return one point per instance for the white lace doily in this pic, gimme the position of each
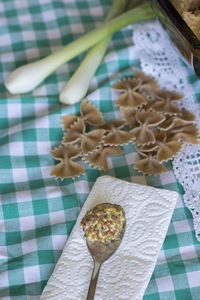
(160, 60)
(127, 273)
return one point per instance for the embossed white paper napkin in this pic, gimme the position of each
(127, 273)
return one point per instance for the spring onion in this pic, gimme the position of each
(77, 87)
(27, 77)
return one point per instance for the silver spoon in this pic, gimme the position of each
(100, 252)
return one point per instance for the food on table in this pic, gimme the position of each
(66, 167)
(190, 11)
(150, 119)
(104, 223)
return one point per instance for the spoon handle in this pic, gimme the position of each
(93, 281)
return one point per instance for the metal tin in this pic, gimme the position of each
(179, 33)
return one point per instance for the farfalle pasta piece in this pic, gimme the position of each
(150, 165)
(169, 96)
(143, 135)
(186, 117)
(98, 159)
(166, 149)
(125, 84)
(148, 85)
(187, 133)
(163, 106)
(88, 141)
(147, 148)
(163, 149)
(75, 132)
(118, 137)
(68, 120)
(169, 123)
(92, 140)
(108, 125)
(130, 97)
(147, 119)
(165, 102)
(114, 134)
(145, 79)
(129, 116)
(90, 114)
(66, 168)
(150, 102)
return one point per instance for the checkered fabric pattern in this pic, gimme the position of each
(37, 212)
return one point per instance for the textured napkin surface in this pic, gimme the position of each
(127, 273)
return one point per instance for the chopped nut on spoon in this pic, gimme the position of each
(103, 223)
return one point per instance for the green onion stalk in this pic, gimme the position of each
(77, 86)
(27, 77)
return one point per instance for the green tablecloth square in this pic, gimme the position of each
(43, 231)
(185, 239)
(25, 208)
(16, 290)
(29, 135)
(31, 259)
(177, 267)
(70, 202)
(122, 172)
(40, 207)
(13, 237)
(191, 265)
(183, 294)
(46, 257)
(171, 242)
(10, 211)
(7, 164)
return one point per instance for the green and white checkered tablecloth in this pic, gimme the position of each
(38, 212)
